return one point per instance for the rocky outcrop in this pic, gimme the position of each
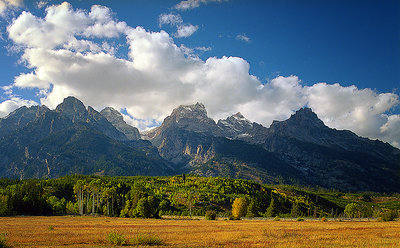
(117, 120)
(70, 140)
(20, 118)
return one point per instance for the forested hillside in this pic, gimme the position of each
(152, 197)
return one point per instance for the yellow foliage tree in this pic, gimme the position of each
(239, 208)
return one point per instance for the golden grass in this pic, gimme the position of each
(70, 231)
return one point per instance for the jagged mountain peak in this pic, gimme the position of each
(73, 109)
(192, 117)
(111, 113)
(304, 118)
(197, 109)
(20, 117)
(71, 101)
(239, 116)
(117, 120)
(236, 126)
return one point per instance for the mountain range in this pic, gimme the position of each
(37, 142)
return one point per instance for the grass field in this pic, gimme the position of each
(70, 231)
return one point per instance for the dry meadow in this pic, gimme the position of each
(71, 231)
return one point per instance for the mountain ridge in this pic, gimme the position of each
(39, 142)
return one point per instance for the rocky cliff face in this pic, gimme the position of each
(235, 126)
(333, 158)
(74, 110)
(71, 139)
(20, 118)
(184, 135)
(38, 142)
(314, 153)
(117, 120)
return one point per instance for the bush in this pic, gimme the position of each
(146, 239)
(388, 215)
(211, 215)
(3, 242)
(300, 219)
(324, 219)
(115, 238)
(277, 218)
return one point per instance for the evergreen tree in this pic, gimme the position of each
(295, 212)
(272, 209)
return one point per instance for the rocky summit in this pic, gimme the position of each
(117, 120)
(302, 150)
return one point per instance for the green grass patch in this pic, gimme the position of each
(3, 241)
(147, 239)
(116, 238)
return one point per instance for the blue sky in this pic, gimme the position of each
(265, 59)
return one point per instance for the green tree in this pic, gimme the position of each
(58, 206)
(272, 209)
(143, 208)
(252, 208)
(239, 208)
(79, 188)
(351, 210)
(4, 205)
(295, 212)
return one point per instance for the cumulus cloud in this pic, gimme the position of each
(390, 131)
(63, 26)
(243, 37)
(186, 30)
(171, 19)
(7, 4)
(360, 110)
(192, 4)
(157, 75)
(183, 30)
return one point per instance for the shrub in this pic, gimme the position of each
(324, 219)
(277, 218)
(211, 215)
(300, 219)
(147, 239)
(115, 238)
(3, 241)
(388, 215)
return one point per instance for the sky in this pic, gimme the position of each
(265, 59)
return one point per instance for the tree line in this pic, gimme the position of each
(152, 197)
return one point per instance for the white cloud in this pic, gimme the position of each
(41, 4)
(243, 37)
(203, 49)
(185, 30)
(159, 75)
(5, 4)
(191, 4)
(359, 110)
(63, 25)
(12, 104)
(390, 131)
(170, 19)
